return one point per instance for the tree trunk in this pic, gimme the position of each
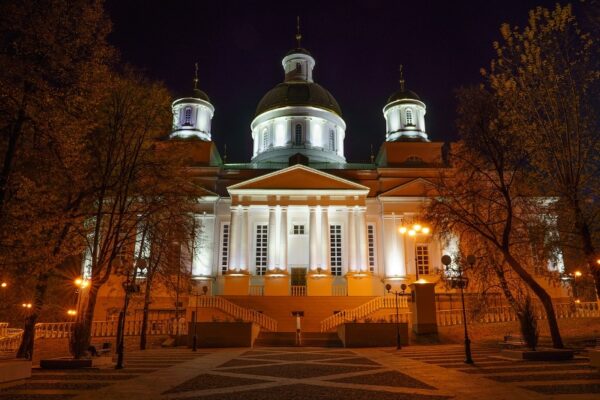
(84, 332)
(144, 332)
(542, 295)
(28, 338)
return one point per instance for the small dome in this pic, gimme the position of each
(298, 50)
(199, 94)
(403, 95)
(297, 93)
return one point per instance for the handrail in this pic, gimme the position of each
(238, 312)
(363, 311)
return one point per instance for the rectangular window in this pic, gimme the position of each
(332, 140)
(298, 230)
(371, 244)
(423, 259)
(261, 249)
(335, 249)
(224, 248)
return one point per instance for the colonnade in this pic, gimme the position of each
(320, 218)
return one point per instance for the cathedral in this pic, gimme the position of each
(300, 221)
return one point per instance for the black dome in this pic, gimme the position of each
(403, 95)
(199, 94)
(298, 50)
(297, 93)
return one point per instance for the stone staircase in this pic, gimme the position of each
(288, 339)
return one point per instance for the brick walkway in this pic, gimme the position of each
(416, 372)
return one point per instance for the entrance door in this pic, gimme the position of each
(298, 281)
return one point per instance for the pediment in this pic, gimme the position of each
(298, 177)
(418, 187)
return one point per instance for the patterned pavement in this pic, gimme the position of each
(575, 377)
(415, 372)
(66, 384)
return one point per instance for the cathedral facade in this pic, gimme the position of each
(299, 211)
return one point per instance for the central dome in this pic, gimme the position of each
(298, 116)
(298, 93)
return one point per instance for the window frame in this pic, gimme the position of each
(261, 248)
(224, 247)
(422, 259)
(335, 249)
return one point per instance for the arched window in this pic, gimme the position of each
(332, 140)
(298, 135)
(298, 67)
(409, 117)
(187, 116)
(266, 139)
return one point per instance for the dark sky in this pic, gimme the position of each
(357, 45)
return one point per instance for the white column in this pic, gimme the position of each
(283, 234)
(324, 263)
(244, 247)
(313, 237)
(361, 239)
(352, 240)
(272, 239)
(234, 239)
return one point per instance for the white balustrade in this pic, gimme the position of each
(364, 310)
(256, 290)
(298, 290)
(237, 312)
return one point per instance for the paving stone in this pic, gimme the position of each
(565, 389)
(300, 370)
(14, 396)
(387, 378)
(353, 360)
(313, 392)
(82, 377)
(545, 377)
(525, 369)
(55, 386)
(298, 357)
(240, 362)
(210, 381)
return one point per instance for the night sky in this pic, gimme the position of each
(357, 45)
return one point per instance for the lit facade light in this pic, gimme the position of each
(578, 274)
(577, 301)
(412, 233)
(426, 230)
(598, 261)
(71, 312)
(417, 227)
(82, 283)
(402, 230)
(26, 305)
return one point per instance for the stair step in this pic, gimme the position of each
(309, 339)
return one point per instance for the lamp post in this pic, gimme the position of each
(388, 287)
(195, 338)
(461, 282)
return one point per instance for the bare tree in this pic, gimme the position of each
(546, 78)
(486, 194)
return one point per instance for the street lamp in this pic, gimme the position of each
(388, 287)
(461, 282)
(414, 230)
(3, 285)
(195, 338)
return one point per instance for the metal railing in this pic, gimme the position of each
(237, 312)
(364, 310)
